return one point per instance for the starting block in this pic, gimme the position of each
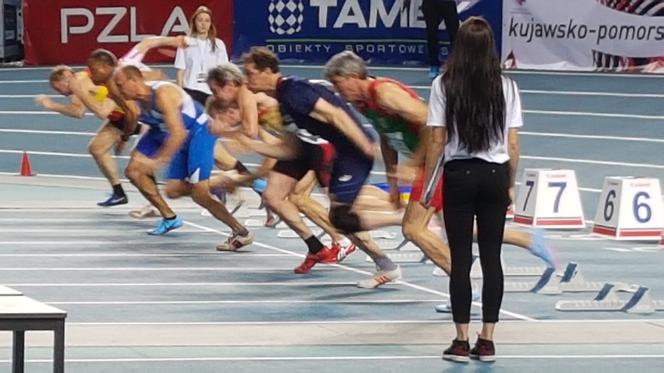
(550, 283)
(607, 300)
(549, 199)
(630, 208)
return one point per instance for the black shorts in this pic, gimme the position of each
(199, 96)
(317, 157)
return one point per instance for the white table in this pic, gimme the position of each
(20, 314)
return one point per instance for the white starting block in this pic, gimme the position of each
(549, 199)
(550, 283)
(607, 300)
(630, 208)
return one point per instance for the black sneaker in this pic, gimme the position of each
(484, 351)
(458, 352)
(113, 200)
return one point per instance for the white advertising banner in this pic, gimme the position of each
(615, 35)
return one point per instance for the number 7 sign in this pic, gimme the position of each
(549, 199)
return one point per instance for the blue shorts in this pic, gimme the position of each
(195, 159)
(150, 142)
(350, 171)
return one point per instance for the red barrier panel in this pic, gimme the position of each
(66, 31)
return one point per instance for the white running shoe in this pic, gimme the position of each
(236, 242)
(380, 278)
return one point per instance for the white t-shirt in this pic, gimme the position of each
(498, 151)
(197, 59)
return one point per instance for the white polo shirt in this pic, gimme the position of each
(498, 152)
(197, 59)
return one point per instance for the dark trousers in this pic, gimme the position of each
(434, 12)
(475, 189)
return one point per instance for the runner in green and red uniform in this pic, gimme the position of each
(399, 115)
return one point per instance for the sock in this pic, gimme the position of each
(118, 191)
(240, 168)
(385, 263)
(314, 245)
(171, 218)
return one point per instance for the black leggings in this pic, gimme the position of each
(475, 189)
(434, 12)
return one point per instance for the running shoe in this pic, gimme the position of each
(165, 226)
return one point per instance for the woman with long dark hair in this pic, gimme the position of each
(475, 112)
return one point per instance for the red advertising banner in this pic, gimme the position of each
(66, 31)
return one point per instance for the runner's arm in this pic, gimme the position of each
(74, 108)
(325, 112)
(168, 102)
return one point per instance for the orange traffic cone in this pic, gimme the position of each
(26, 169)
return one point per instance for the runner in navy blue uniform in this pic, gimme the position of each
(314, 113)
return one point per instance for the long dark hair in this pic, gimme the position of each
(472, 82)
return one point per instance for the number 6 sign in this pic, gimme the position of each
(630, 208)
(549, 199)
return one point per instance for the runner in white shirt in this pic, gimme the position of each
(203, 52)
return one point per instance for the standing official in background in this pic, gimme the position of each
(203, 52)
(434, 12)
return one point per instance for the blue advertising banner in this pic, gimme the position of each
(381, 31)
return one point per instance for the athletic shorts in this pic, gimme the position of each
(418, 189)
(317, 157)
(193, 162)
(350, 171)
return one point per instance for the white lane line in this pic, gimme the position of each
(352, 322)
(280, 301)
(28, 96)
(40, 132)
(587, 93)
(180, 284)
(593, 114)
(26, 81)
(92, 243)
(351, 269)
(337, 358)
(144, 255)
(590, 137)
(590, 161)
(34, 112)
(57, 154)
(149, 269)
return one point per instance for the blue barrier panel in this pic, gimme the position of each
(381, 31)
